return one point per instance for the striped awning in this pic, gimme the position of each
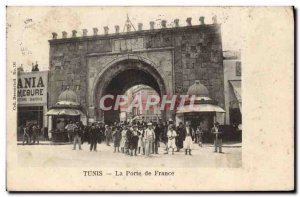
(236, 86)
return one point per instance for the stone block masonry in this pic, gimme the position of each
(181, 55)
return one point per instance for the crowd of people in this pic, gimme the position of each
(141, 137)
(132, 138)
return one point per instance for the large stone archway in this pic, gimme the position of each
(119, 76)
(176, 56)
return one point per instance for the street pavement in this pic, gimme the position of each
(64, 156)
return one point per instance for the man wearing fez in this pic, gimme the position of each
(188, 142)
(218, 137)
(77, 136)
(180, 136)
(149, 138)
(93, 137)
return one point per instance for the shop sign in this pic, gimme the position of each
(32, 88)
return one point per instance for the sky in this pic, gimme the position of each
(29, 28)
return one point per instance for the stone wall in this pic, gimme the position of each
(198, 56)
(180, 54)
(68, 68)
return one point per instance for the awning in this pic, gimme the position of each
(200, 108)
(69, 112)
(236, 86)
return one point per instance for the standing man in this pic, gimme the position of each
(158, 131)
(149, 138)
(35, 134)
(93, 137)
(199, 135)
(25, 135)
(70, 129)
(180, 136)
(116, 135)
(141, 140)
(123, 138)
(128, 139)
(134, 140)
(164, 136)
(218, 137)
(101, 132)
(108, 131)
(171, 139)
(77, 136)
(30, 131)
(86, 134)
(188, 142)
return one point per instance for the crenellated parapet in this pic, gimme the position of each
(128, 28)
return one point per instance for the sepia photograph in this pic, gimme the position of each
(126, 92)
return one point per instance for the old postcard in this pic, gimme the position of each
(150, 98)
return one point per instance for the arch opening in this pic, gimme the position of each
(119, 78)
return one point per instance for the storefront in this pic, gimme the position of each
(32, 101)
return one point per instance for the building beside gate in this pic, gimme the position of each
(232, 87)
(32, 99)
(169, 60)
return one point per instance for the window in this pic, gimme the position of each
(238, 71)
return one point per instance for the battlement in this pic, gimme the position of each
(129, 32)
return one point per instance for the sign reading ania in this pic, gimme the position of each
(32, 88)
